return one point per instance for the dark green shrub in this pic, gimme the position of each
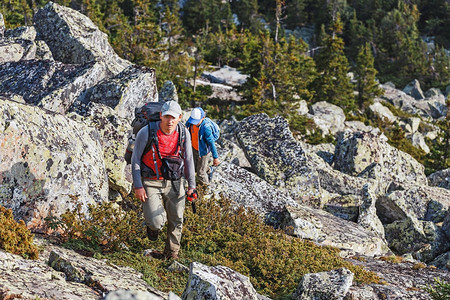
(222, 235)
(15, 237)
(218, 234)
(106, 228)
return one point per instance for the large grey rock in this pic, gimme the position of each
(421, 238)
(60, 273)
(246, 189)
(414, 90)
(74, 39)
(432, 107)
(23, 32)
(276, 157)
(440, 179)
(328, 117)
(226, 75)
(414, 123)
(368, 213)
(219, 91)
(168, 92)
(113, 134)
(217, 283)
(435, 93)
(43, 51)
(398, 98)
(358, 126)
(403, 280)
(324, 285)
(16, 50)
(37, 280)
(442, 261)
(417, 140)
(420, 202)
(129, 89)
(383, 112)
(45, 167)
(370, 156)
(327, 230)
(49, 84)
(325, 151)
(231, 152)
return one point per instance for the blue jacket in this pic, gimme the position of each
(206, 142)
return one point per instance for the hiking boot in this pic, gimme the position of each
(152, 234)
(157, 254)
(171, 255)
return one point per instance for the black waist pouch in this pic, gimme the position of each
(147, 172)
(172, 168)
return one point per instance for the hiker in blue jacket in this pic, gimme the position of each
(204, 133)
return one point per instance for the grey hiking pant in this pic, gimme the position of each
(166, 202)
(201, 166)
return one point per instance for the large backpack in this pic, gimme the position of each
(148, 114)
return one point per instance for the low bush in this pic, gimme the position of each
(218, 234)
(105, 228)
(439, 291)
(15, 237)
(393, 259)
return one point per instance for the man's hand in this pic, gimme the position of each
(190, 191)
(216, 162)
(140, 194)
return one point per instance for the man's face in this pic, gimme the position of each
(169, 123)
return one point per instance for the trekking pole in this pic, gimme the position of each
(211, 171)
(191, 198)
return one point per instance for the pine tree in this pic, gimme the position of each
(332, 84)
(439, 156)
(401, 52)
(174, 62)
(208, 15)
(294, 72)
(255, 56)
(357, 36)
(16, 13)
(365, 73)
(296, 15)
(222, 48)
(440, 69)
(248, 15)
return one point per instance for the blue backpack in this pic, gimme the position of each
(215, 130)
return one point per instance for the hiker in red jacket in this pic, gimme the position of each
(163, 195)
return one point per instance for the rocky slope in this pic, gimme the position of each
(66, 104)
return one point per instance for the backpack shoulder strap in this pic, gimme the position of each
(152, 138)
(181, 136)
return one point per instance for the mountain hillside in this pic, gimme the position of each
(319, 202)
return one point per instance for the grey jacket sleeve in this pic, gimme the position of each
(189, 169)
(139, 146)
